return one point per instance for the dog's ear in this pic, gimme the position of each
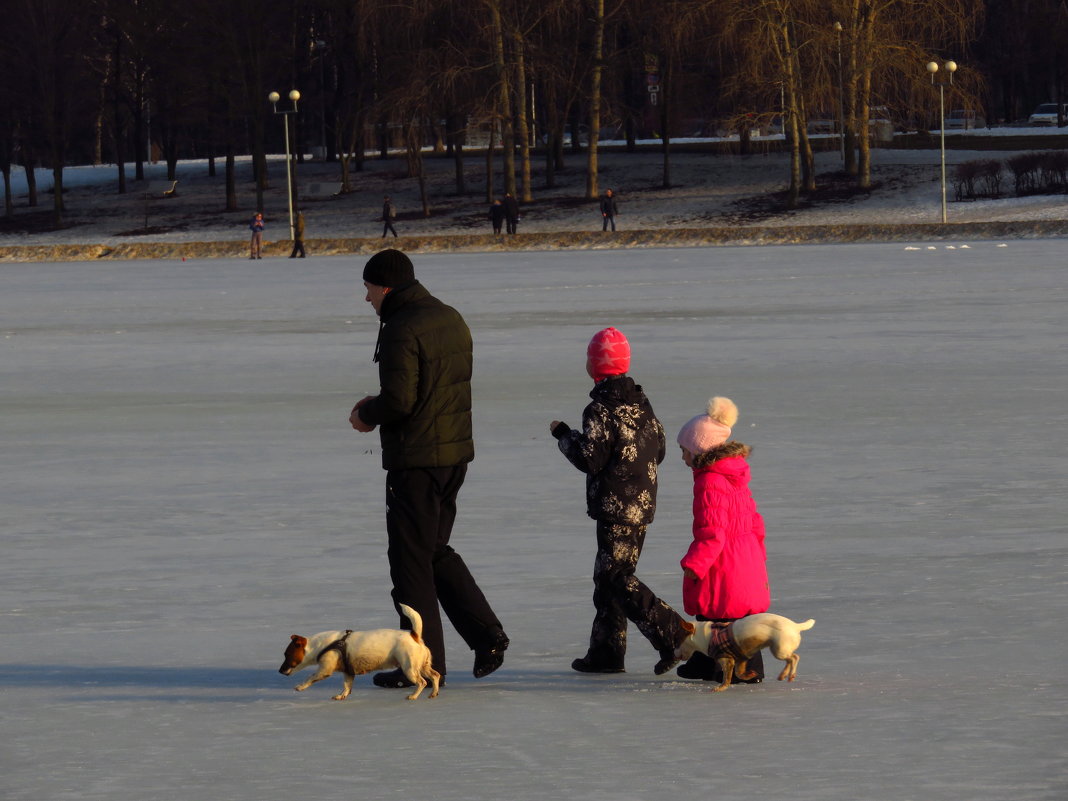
(688, 627)
(302, 641)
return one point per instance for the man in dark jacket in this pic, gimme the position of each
(423, 408)
(298, 236)
(511, 212)
(609, 210)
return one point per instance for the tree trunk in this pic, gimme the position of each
(31, 175)
(231, 177)
(57, 185)
(9, 202)
(851, 91)
(139, 123)
(665, 120)
(413, 140)
(523, 119)
(118, 134)
(455, 136)
(504, 100)
(808, 158)
(489, 163)
(592, 191)
(788, 61)
(864, 98)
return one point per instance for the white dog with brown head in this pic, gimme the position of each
(359, 652)
(732, 644)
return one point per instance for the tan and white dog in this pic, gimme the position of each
(359, 652)
(733, 644)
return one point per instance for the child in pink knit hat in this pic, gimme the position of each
(724, 572)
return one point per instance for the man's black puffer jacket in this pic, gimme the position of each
(424, 407)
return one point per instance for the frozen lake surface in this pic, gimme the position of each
(182, 491)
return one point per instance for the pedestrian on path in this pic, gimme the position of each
(608, 210)
(511, 212)
(256, 243)
(389, 213)
(298, 235)
(497, 216)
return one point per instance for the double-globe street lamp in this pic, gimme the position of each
(942, 81)
(274, 97)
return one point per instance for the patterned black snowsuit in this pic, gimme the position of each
(619, 447)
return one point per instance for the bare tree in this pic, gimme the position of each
(774, 69)
(52, 49)
(668, 31)
(889, 41)
(503, 76)
(596, 68)
(350, 31)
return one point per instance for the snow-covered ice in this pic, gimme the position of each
(181, 492)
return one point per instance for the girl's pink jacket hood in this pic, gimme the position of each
(727, 552)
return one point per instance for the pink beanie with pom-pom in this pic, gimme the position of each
(707, 431)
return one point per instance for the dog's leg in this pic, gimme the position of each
(726, 666)
(327, 666)
(789, 669)
(742, 671)
(420, 685)
(347, 689)
(435, 680)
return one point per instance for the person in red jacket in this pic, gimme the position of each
(725, 574)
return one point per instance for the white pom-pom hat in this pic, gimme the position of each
(709, 430)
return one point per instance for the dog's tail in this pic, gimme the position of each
(806, 625)
(416, 619)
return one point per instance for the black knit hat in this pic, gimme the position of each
(389, 268)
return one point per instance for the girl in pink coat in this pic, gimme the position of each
(724, 572)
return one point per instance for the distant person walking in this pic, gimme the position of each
(298, 236)
(256, 243)
(389, 213)
(608, 210)
(511, 212)
(496, 215)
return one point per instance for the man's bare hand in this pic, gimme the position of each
(354, 418)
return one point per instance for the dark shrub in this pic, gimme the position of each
(1025, 169)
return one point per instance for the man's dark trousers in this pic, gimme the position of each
(421, 509)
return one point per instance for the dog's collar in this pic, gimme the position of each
(339, 646)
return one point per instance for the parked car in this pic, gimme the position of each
(584, 135)
(1046, 114)
(964, 119)
(822, 122)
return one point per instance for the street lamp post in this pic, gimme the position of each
(274, 97)
(942, 82)
(841, 91)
